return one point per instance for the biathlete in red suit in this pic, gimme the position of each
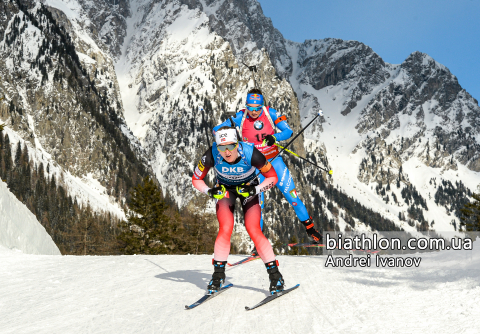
(235, 164)
(257, 124)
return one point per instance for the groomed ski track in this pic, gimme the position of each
(147, 294)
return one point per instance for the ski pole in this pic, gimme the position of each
(320, 113)
(295, 154)
(330, 172)
(291, 152)
(252, 69)
(206, 131)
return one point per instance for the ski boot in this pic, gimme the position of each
(312, 232)
(218, 277)
(277, 284)
(254, 251)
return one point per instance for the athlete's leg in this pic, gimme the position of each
(286, 185)
(252, 212)
(225, 208)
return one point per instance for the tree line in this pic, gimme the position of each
(152, 226)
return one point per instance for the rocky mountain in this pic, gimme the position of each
(60, 121)
(410, 127)
(402, 139)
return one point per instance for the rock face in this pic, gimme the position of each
(333, 61)
(61, 97)
(443, 113)
(153, 63)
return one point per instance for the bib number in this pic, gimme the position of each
(258, 137)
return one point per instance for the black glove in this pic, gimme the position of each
(217, 192)
(246, 190)
(312, 232)
(270, 140)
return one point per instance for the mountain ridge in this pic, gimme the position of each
(157, 62)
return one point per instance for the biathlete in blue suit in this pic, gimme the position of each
(257, 124)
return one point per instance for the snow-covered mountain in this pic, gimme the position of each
(372, 107)
(20, 230)
(55, 102)
(390, 129)
(402, 140)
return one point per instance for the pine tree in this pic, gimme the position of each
(471, 214)
(148, 229)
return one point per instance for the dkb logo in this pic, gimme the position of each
(232, 169)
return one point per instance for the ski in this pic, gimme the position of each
(272, 297)
(208, 297)
(245, 260)
(320, 245)
(306, 245)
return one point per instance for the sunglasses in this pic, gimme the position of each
(230, 147)
(253, 108)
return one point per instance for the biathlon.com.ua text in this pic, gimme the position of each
(375, 243)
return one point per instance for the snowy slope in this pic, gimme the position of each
(147, 294)
(20, 230)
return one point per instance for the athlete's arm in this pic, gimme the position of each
(281, 123)
(237, 120)
(206, 162)
(265, 167)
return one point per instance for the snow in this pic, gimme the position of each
(420, 175)
(77, 17)
(147, 294)
(85, 59)
(20, 229)
(71, 8)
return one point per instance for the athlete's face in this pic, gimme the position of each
(254, 114)
(229, 156)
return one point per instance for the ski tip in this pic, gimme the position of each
(187, 307)
(247, 308)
